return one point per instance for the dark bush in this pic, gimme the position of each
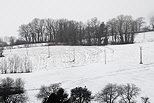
(59, 97)
(45, 91)
(112, 93)
(12, 91)
(80, 95)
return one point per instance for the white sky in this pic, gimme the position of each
(13, 13)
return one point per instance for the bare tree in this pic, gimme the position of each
(88, 33)
(109, 94)
(145, 99)
(120, 23)
(35, 23)
(132, 32)
(42, 30)
(17, 63)
(14, 64)
(24, 32)
(32, 32)
(96, 31)
(103, 33)
(112, 29)
(124, 27)
(72, 32)
(152, 22)
(139, 23)
(93, 32)
(129, 93)
(127, 27)
(3, 42)
(4, 66)
(50, 29)
(12, 40)
(81, 32)
(113, 93)
(27, 66)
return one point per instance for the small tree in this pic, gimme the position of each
(16, 64)
(109, 94)
(12, 40)
(145, 99)
(59, 97)
(4, 66)
(80, 95)
(128, 93)
(12, 91)
(152, 22)
(1, 52)
(62, 95)
(27, 65)
(45, 91)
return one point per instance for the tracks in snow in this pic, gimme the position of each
(137, 68)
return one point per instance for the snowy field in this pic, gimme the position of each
(74, 66)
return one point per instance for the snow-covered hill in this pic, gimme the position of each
(85, 66)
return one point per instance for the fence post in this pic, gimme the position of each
(141, 55)
(48, 51)
(74, 54)
(105, 55)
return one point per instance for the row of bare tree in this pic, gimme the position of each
(93, 32)
(116, 30)
(15, 64)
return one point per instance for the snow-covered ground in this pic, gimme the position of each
(74, 66)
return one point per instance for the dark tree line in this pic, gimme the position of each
(62, 31)
(55, 94)
(120, 29)
(123, 28)
(111, 93)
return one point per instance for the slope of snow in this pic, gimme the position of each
(144, 37)
(89, 68)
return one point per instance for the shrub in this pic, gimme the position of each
(1, 52)
(59, 97)
(12, 91)
(16, 64)
(45, 91)
(80, 95)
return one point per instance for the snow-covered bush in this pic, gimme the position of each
(15, 64)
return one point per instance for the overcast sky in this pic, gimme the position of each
(13, 13)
